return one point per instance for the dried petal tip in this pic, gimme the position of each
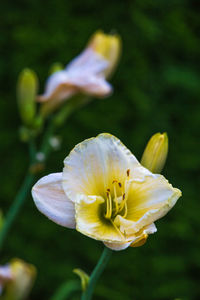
(155, 153)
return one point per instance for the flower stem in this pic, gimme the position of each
(15, 207)
(87, 295)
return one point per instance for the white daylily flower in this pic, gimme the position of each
(87, 72)
(106, 194)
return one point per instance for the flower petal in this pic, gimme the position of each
(57, 88)
(51, 200)
(117, 246)
(88, 62)
(91, 222)
(150, 200)
(93, 164)
(138, 240)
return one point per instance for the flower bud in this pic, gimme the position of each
(108, 46)
(155, 153)
(23, 276)
(27, 86)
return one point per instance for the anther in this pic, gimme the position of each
(128, 172)
(123, 197)
(108, 190)
(120, 185)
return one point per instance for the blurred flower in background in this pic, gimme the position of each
(106, 194)
(16, 280)
(5, 276)
(87, 73)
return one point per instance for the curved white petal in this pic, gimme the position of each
(117, 246)
(57, 87)
(135, 240)
(150, 200)
(93, 164)
(90, 84)
(88, 61)
(84, 74)
(150, 229)
(51, 200)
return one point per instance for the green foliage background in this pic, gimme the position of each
(156, 89)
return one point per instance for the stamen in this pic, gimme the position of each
(128, 172)
(120, 185)
(115, 198)
(108, 205)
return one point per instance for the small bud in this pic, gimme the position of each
(155, 153)
(56, 67)
(21, 281)
(84, 278)
(27, 86)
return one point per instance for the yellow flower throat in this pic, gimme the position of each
(116, 202)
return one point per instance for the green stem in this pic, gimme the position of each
(46, 148)
(32, 150)
(15, 207)
(87, 295)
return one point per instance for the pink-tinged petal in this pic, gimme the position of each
(90, 84)
(50, 199)
(88, 62)
(57, 88)
(84, 74)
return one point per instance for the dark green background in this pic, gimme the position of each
(156, 89)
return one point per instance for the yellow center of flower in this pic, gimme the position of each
(116, 198)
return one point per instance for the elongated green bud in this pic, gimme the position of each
(155, 153)
(27, 87)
